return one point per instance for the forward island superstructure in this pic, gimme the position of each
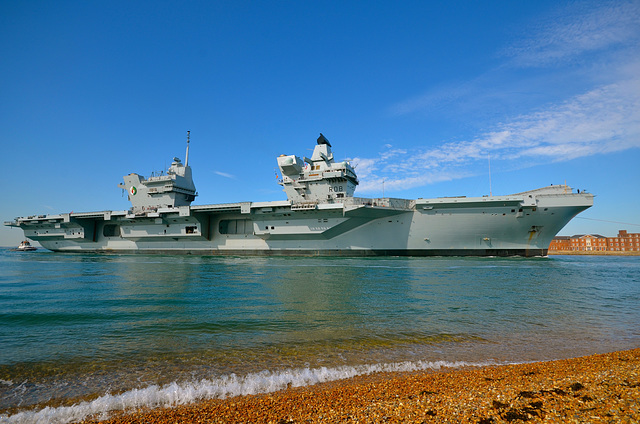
(321, 217)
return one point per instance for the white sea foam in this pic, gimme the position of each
(223, 387)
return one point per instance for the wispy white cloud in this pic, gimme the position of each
(599, 37)
(603, 120)
(604, 117)
(440, 97)
(575, 30)
(224, 174)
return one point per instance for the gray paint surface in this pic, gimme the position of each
(320, 217)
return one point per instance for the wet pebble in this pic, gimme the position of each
(599, 389)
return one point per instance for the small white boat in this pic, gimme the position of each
(25, 246)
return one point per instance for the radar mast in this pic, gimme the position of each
(186, 159)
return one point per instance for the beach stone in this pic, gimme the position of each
(600, 389)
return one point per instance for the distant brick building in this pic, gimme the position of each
(623, 242)
(589, 242)
(560, 243)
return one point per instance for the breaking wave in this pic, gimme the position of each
(175, 394)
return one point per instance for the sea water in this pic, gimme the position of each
(87, 334)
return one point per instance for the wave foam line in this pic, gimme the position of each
(175, 394)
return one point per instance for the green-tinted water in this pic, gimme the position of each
(78, 326)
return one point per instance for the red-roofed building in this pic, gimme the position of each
(560, 243)
(623, 242)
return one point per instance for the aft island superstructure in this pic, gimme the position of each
(321, 217)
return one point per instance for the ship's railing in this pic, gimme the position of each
(387, 202)
(304, 206)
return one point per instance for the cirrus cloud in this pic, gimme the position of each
(603, 117)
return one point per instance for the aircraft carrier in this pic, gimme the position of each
(321, 217)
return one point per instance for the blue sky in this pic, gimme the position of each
(417, 94)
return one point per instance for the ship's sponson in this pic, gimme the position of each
(521, 224)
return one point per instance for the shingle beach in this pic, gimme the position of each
(594, 389)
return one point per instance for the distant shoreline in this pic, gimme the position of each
(592, 253)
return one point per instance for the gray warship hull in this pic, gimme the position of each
(320, 217)
(521, 224)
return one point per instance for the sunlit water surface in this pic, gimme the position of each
(87, 333)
